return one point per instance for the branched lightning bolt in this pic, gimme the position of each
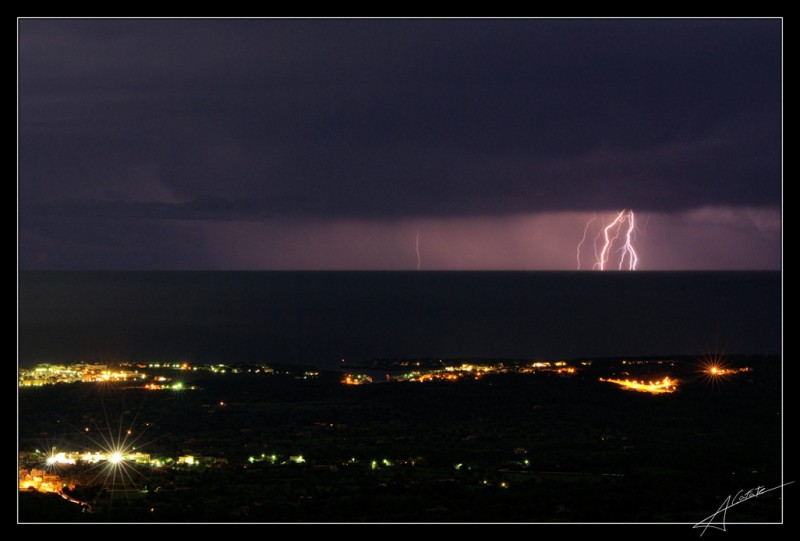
(604, 253)
(610, 233)
(628, 250)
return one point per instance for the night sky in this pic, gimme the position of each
(336, 144)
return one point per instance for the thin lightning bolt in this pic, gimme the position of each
(585, 229)
(419, 260)
(610, 233)
(628, 250)
(599, 234)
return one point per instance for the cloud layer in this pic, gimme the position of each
(142, 143)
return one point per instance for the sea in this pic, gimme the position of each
(322, 318)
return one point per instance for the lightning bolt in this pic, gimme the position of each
(599, 234)
(628, 250)
(419, 260)
(609, 234)
(585, 229)
(604, 253)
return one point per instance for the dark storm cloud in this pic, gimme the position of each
(89, 243)
(134, 122)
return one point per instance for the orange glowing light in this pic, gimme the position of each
(666, 385)
(356, 379)
(716, 373)
(714, 370)
(718, 370)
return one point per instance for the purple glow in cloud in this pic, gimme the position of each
(711, 238)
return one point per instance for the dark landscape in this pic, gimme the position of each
(539, 447)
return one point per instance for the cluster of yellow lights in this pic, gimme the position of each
(176, 386)
(439, 376)
(356, 379)
(49, 375)
(107, 375)
(114, 457)
(468, 371)
(665, 385)
(719, 370)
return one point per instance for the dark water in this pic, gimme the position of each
(321, 317)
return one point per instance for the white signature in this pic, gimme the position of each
(712, 520)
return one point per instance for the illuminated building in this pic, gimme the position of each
(40, 481)
(61, 458)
